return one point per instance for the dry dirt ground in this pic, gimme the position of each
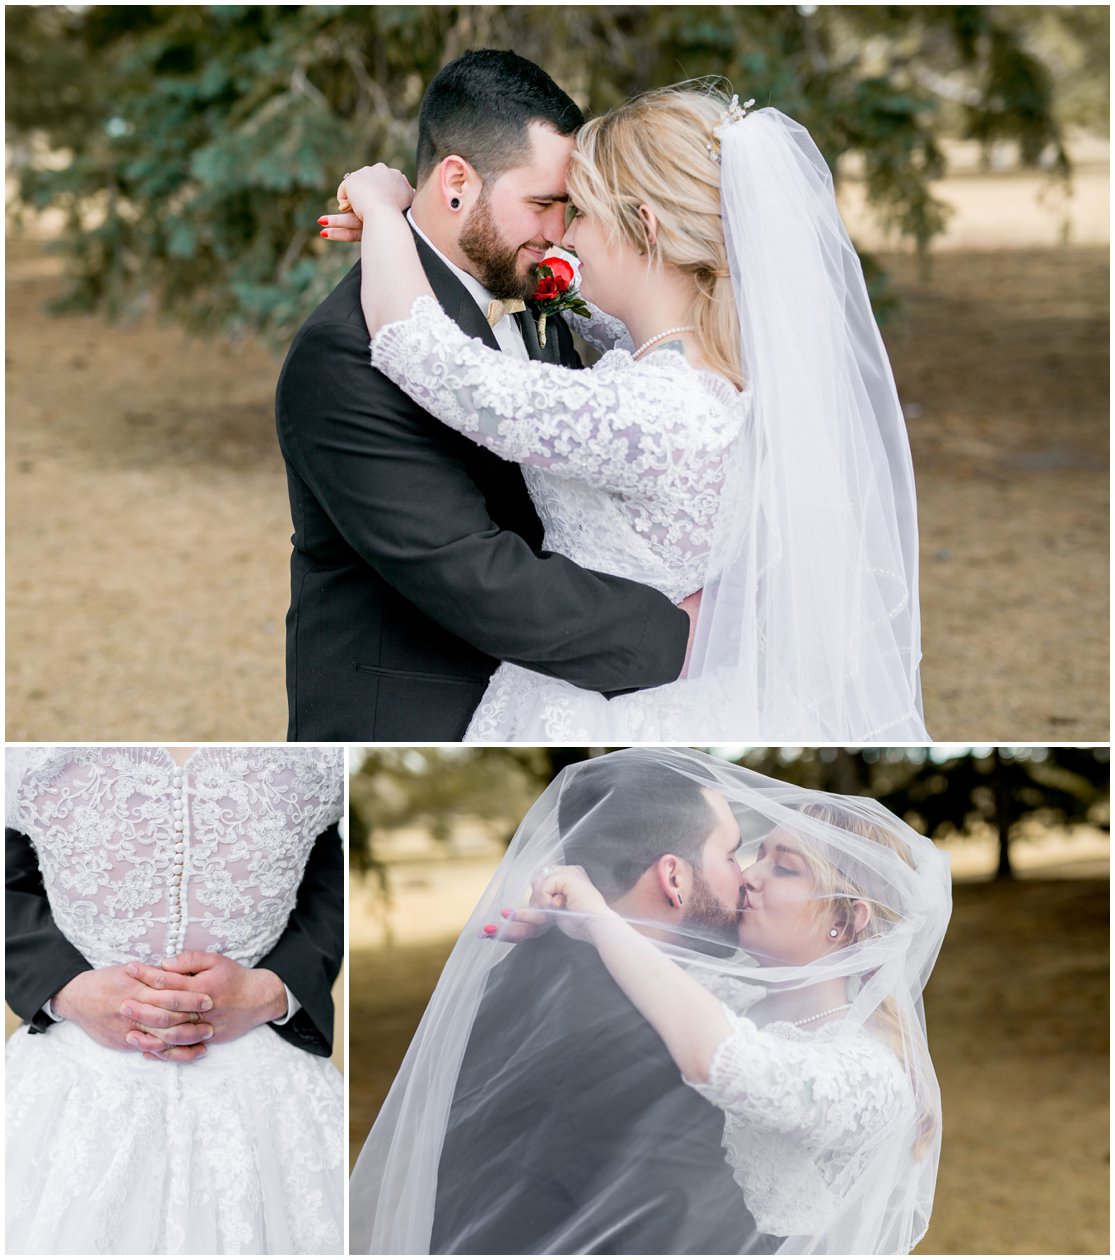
(1017, 1012)
(147, 521)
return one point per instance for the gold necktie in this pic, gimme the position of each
(498, 308)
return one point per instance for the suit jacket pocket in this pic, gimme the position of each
(416, 675)
(403, 705)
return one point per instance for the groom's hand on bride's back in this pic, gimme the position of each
(117, 1009)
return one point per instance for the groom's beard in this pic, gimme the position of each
(494, 261)
(715, 927)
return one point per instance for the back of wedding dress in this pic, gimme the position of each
(143, 859)
(111, 1153)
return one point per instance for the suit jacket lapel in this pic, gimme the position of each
(457, 302)
(529, 327)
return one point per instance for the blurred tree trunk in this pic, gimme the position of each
(562, 758)
(848, 773)
(1004, 819)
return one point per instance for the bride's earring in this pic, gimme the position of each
(834, 932)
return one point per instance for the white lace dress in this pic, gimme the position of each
(625, 466)
(805, 1109)
(241, 1151)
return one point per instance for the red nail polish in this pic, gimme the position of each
(323, 221)
(506, 914)
(323, 233)
(490, 929)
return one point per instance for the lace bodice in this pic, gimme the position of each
(804, 1109)
(624, 462)
(142, 859)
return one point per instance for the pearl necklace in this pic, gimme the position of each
(797, 1023)
(647, 344)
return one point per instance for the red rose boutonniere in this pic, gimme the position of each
(555, 292)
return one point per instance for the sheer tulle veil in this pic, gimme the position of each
(534, 1093)
(810, 621)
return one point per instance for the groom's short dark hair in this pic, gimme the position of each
(480, 107)
(619, 814)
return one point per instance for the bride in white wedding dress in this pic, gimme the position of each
(750, 448)
(110, 1152)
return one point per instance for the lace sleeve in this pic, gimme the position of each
(600, 329)
(629, 429)
(16, 765)
(827, 1088)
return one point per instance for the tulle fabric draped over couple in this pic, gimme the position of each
(789, 504)
(729, 1057)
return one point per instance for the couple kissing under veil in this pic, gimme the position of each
(686, 1018)
(739, 447)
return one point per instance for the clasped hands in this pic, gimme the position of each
(172, 1011)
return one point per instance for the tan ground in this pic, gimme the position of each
(1017, 1012)
(148, 523)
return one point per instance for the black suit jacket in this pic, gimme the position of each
(415, 566)
(39, 960)
(568, 1108)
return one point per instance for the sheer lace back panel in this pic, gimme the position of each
(143, 859)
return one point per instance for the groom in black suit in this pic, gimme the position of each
(416, 565)
(571, 1130)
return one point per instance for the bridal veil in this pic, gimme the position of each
(536, 1112)
(810, 619)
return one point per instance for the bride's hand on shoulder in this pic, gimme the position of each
(371, 187)
(375, 187)
(341, 227)
(523, 923)
(569, 890)
(554, 889)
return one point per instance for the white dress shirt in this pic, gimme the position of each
(507, 331)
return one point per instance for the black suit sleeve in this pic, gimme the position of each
(395, 484)
(307, 957)
(39, 960)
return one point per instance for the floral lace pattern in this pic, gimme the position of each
(600, 329)
(519, 702)
(241, 1152)
(804, 1108)
(624, 462)
(140, 859)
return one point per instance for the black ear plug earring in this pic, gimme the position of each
(454, 203)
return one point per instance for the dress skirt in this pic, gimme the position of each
(240, 1152)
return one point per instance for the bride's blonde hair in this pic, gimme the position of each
(653, 150)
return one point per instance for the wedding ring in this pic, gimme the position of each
(195, 1018)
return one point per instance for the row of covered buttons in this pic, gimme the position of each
(176, 932)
